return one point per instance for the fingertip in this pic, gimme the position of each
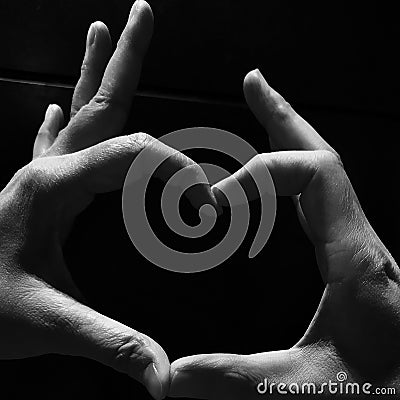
(253, 74)
(102, 32)
(142, 17)
(58, 113)
(145, 7)
(91, 36)
(99, 45)
(179, 385)
(201, 195)
(58, 117)
(252, 80)
(220, 197)
(162, 369)
(54, 118)
(156, 376)
(49, 111)
(253, 92)
(202, 376)
(142, 8)
(100, 26)
(265, 103)
(152, 382)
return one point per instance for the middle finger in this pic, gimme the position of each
(107, 112)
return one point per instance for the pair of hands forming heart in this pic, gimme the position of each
(356, 327)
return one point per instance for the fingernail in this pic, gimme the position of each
(135, 8)
(91, 35)
(179, 382)
(152, 381)
(49, 111)
(200, 195)
(221, 199)
(260, 76)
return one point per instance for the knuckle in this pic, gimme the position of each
(43, 132)
(130, 354)
(328, 159)
(281, 111)
(88, 68)
(261, 160)
(258, 159)
(140, 139)
(102, 99)
(74, 111)
(85, 67)
(36, 178)
(106, 101)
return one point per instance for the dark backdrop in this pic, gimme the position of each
(336, 64)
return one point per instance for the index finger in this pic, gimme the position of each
(287, 130)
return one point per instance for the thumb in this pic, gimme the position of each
(210, 376)
(232, 376)
(44, 321)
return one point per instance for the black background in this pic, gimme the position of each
(337, 65)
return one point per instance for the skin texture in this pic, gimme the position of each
(356, 328)
(41, 308)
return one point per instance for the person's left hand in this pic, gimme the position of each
(354, 335)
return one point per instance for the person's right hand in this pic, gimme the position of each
(356, 328)
(40, 306)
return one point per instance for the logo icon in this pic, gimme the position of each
(146, 240)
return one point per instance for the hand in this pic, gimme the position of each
(356, 328)
(39, 308)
